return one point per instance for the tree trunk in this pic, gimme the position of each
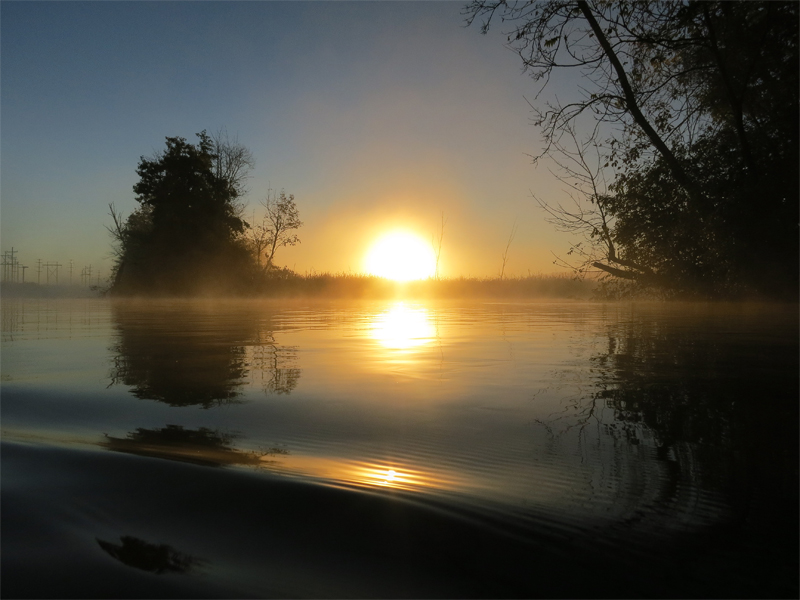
(633, 107)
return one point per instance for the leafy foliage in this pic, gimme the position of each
(686, 176)
(186, 235)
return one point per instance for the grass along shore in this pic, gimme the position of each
(347, 285)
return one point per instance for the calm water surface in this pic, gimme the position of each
(252, 448)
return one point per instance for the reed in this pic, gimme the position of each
(348, 285)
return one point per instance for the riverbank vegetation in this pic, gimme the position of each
(285, 283)
(679, 144)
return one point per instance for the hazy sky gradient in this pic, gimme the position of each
(374, 115)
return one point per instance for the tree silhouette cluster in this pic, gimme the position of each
(680, 148)
(188, 236)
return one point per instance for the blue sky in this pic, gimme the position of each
(375, 115)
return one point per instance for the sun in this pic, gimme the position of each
(401, 256)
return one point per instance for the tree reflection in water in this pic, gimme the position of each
(186, 353)
(198, 446)
(155, 558)
(276, 364)
(728, 402)
(699, 414)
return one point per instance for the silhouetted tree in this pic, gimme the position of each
(693, 110)
(186, 235)
(232, 161)
(281, 218)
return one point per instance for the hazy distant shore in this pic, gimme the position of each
(35, 290)
(327, 285)
(365, 286)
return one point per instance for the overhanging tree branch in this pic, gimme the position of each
(633, 106)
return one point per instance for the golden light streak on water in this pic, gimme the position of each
(348, 472)
(403, 327)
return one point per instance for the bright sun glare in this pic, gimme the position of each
(402, 327)
(401, 256)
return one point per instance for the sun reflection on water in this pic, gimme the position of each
(402, 327)
(349, 472)
(397, 477)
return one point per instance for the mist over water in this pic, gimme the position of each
(476, 448)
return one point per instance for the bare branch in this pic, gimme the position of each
(280, 219)
(233, 161)
(508, 245)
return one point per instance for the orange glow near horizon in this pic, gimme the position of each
(401, 256)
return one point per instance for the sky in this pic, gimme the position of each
(376, 116)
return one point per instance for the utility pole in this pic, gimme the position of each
(70, 271)
(38, 271)
(10, 266)
(86, 275)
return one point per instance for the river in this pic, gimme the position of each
(261, 448)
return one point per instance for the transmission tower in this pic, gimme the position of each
(51, 269)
